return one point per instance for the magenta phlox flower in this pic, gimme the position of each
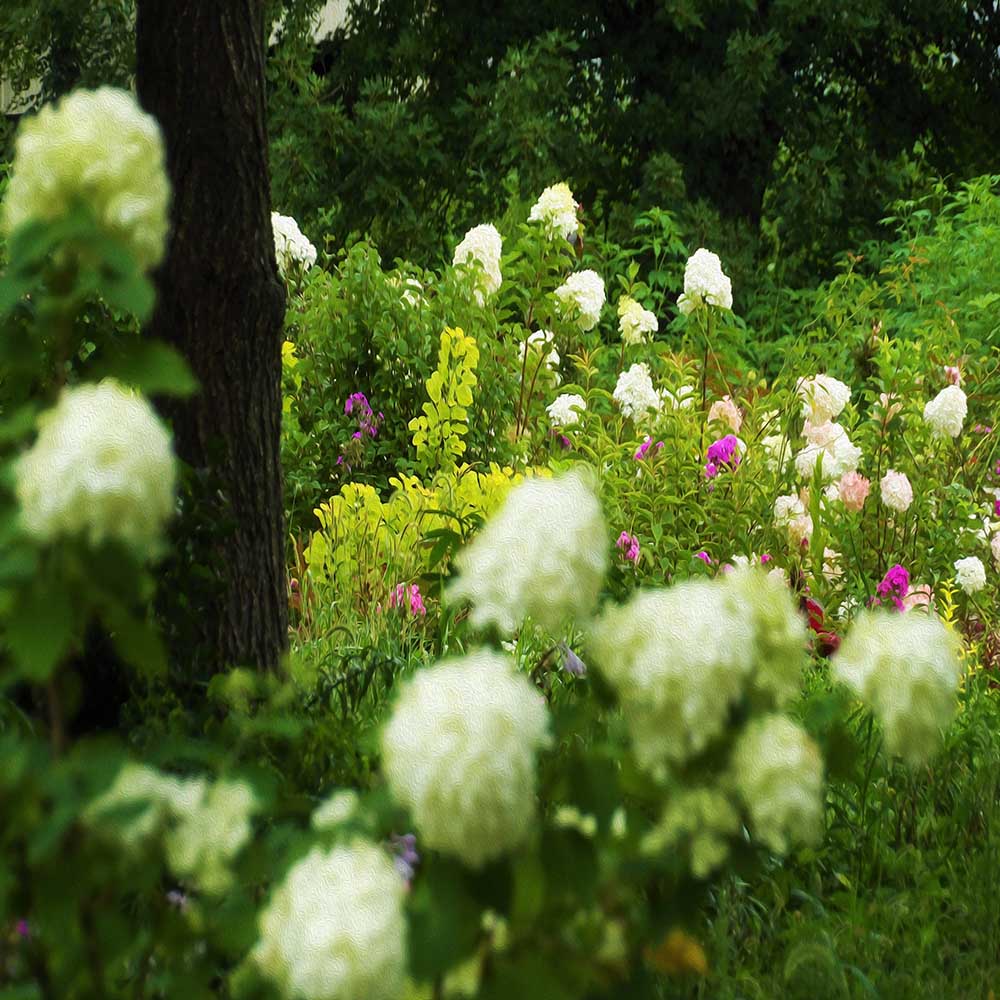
(643, 449)
(402, 596)
(704, 557)
(629, 546)
(895, 586)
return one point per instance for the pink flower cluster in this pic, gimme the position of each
(401, 595)
(641, 451)
(895, 587)
(629, 546)
(721, 454)
(367, 421)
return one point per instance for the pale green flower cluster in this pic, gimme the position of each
(334, 929)
(205, 825)
(99, 148)
(680, 659)
(703, 820)
(460, 750)
(778, 773)
(556, 209)
(906, 668)
(634, 322)
(543, 555)
(101, 467)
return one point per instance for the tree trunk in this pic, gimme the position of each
(200, 72)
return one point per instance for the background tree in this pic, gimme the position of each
(200, 71)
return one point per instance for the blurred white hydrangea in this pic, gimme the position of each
(584, 292)
(832, 448)
(705, 283)
(897, 493)
(634, 393)
(777, 452)
(291, 248)
(334, 928)
(970, 574)
(906, 668)
(702, 818)
(335, 809)
(211, 831)
(634, 322)
(459, 752)
(483, 244)
(562, 411)
(778, 772)
(947, 411)
(791, 514)
(680, 399)
(101, 467)
(678, 658)
(823, 398)
(539, 341)
(99, 147)
(995, 548)
(556, 209)
(542, 555)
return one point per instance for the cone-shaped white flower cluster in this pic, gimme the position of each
(634, 393)
(946, 412)
(334, 928)
(823, 398)
(583, 292)
(634, 322)
(564, 410)
(705, 284)
(460, 750)
(970, 574)
(556, 209)
(100, 148)
(101, 467)
(907, 669)
(543, 555)
(483, 244)
(291, 248)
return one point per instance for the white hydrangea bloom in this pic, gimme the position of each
(334, 928)
(210, 833)
(897, 493)
(482, 243)
(556, 208)
(100, 147)
(291, 248)
(678, 658)
(831, 446)
(460, 750)
(970, 574)
(634, 322)
(539, 340)
(906, 668)
(823, 398)
(562, 412)
(705, 283)
(337, 808)
(790, 513)
(542, 555)
(947, 411)
(584, 292)
(634, 393)
(778, 772)
(681, 399)
(777, 452)
(101, 467)
(704, 819)
(995, 548)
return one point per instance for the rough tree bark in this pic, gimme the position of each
(200, 71)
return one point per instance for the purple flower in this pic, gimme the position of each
(711, 470)
(641, 451)
(23, 930)
(765, 559)
(704, 557)
(406, 858)
(895, 585)
(996, 508)
(629, 545)
(401, 595)
(358, 399)
(572, 663)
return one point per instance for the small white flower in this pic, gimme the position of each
(946, 412)
(634, 322)
(334, 928)
(681, 399)
(563, 411)
(459, 753)
(777, 452)
(556, 208)
(584, 293)
(790, 513)
(823, 398)
(539, 340)
(705, 283)
(483, 244)
(634, 393)
(970, 574)
(832, 449)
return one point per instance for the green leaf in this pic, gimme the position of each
(41, 628)
(153, 367)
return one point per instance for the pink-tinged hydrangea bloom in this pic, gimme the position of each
(897, 493)
(727, 412)
(629, 546)
(854, 490)
(919, 596)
